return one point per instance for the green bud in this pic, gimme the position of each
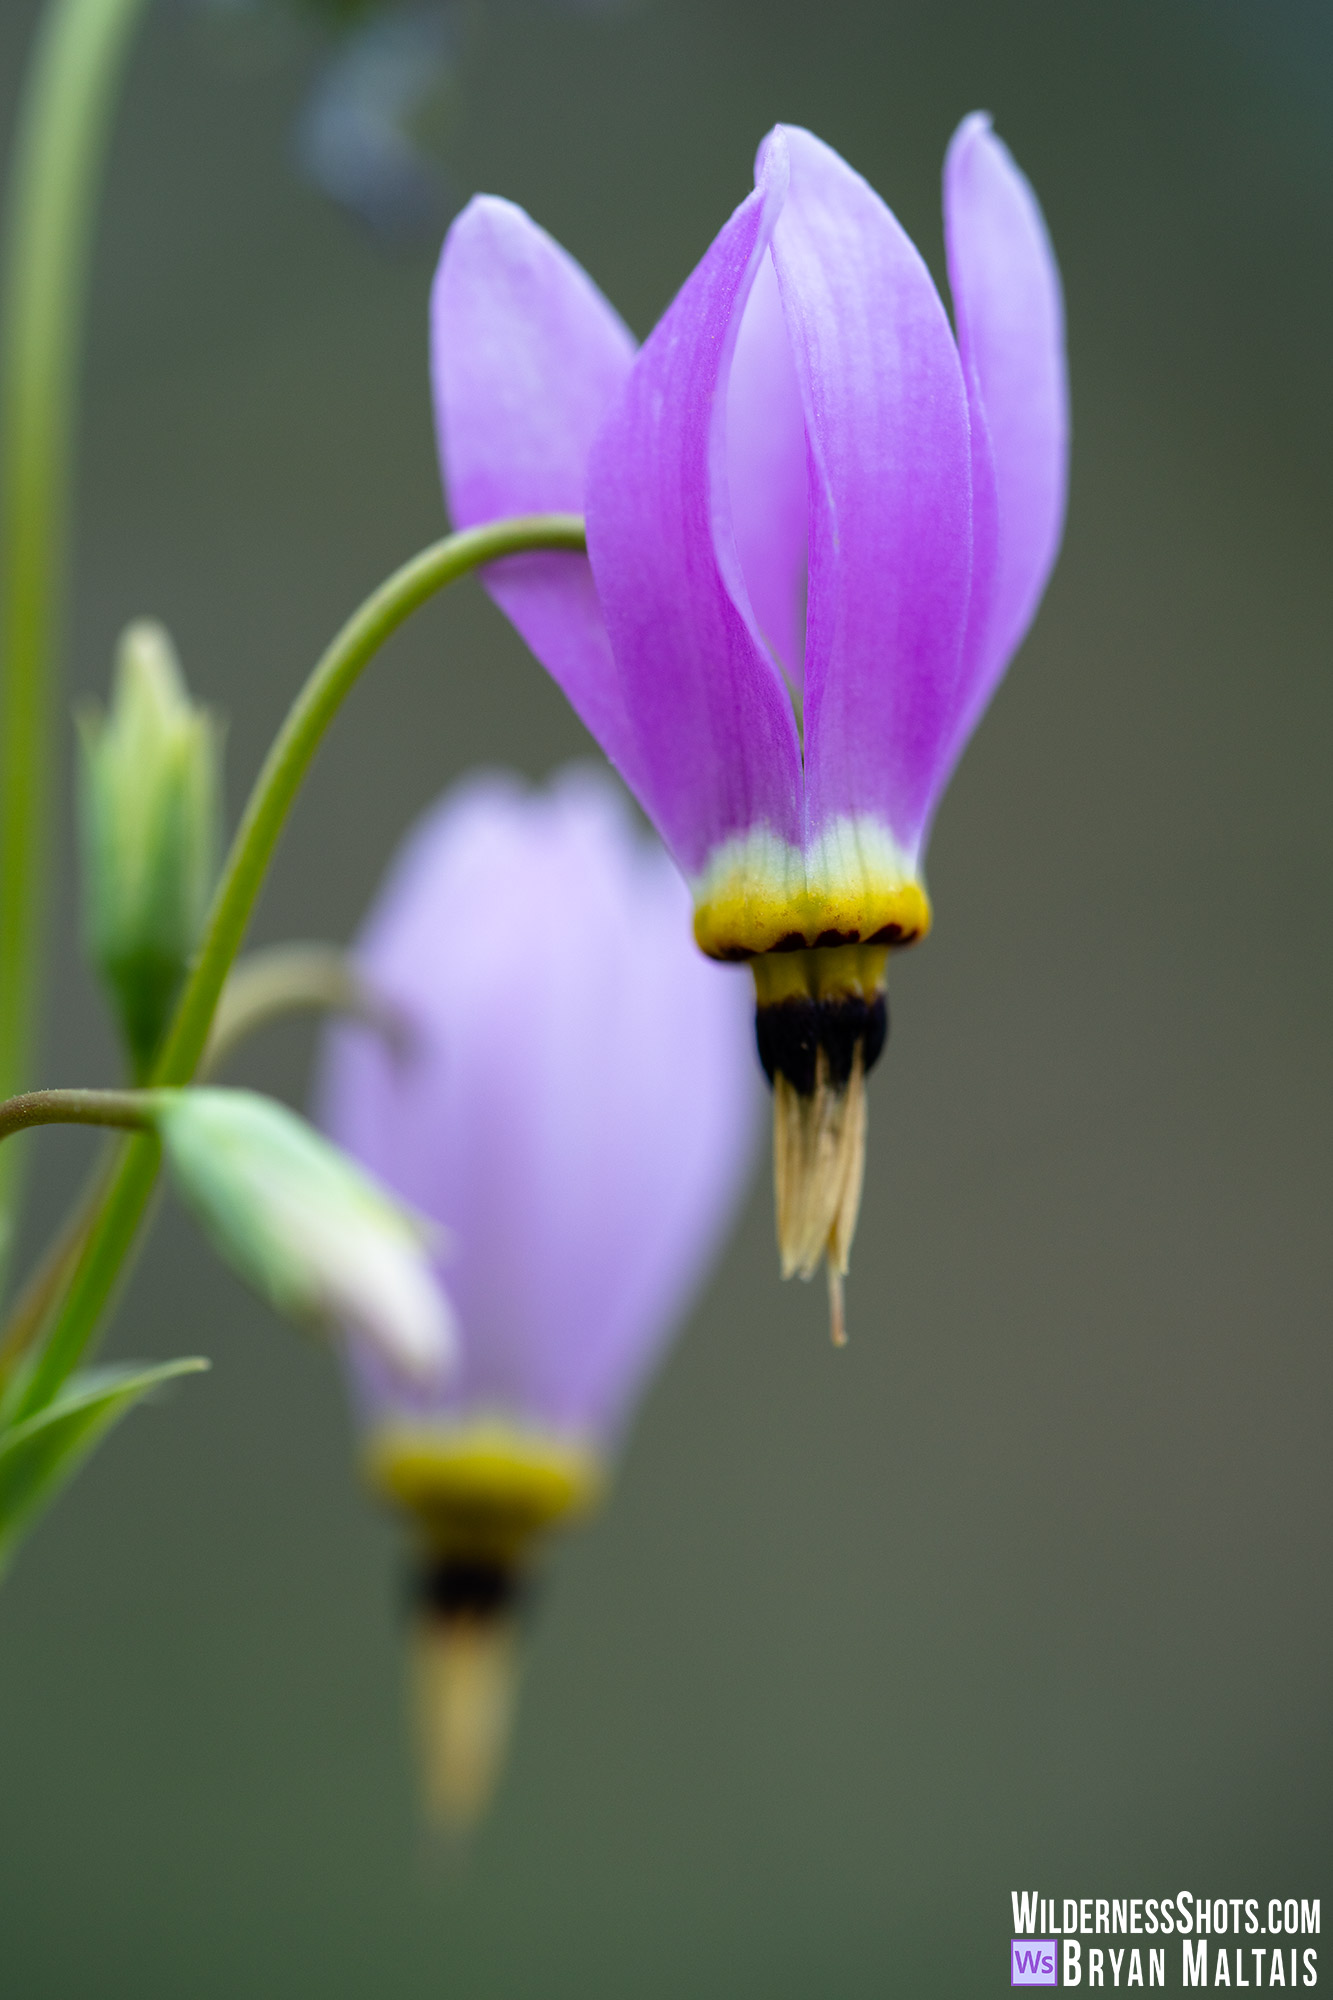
(149, 808)
(304, 1225)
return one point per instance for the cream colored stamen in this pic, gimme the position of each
(819, 1155)
(464, 1682)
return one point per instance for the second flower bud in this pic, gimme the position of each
(149, 812)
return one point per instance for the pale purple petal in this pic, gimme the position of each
(526, 359)
(766, 473)
(890, 495)
(712, 717)
(1007, 299)
(574, 1101)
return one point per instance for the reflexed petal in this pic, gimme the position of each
(1007, 299)
(890, 499)
(526, 359)
(572, 1098)
(715, 735)
(766, 472)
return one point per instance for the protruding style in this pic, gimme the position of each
(569, 1096)
(819, 525)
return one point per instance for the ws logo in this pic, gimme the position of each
(1032, 1962)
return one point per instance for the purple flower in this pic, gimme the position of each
(567, 1093)
(819, 525)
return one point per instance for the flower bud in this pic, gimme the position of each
(312, 1232)
(149, 812)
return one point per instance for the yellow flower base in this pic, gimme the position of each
(852, 886)
(837, 972)
(485, 1489)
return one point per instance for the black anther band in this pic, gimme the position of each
(790, 1034)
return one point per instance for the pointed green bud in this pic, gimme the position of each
(149, 811)
(304, 1225)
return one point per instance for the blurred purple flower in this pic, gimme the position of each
(569, 1098)
(818, 528)
(569, 1094)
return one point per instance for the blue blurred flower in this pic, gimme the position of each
(373, 131)
(361, 136)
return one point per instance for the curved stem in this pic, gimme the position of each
(59, 151)
(128, 1109)
(285, 979)
(251, 851)
(299, 738)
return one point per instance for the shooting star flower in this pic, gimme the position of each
(819, 526)
(569, 1096)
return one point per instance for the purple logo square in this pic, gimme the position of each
(1033, 1962)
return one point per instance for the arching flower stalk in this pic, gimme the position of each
(566, 1093)
(819, 525)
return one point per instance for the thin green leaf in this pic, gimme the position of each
(38, 1456)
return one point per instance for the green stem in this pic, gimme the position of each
(59, 151)
(130, 1110)
(251, 851)
(264, 986)
(285, 979)
(42, 1288)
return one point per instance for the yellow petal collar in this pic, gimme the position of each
(483, 1488)
(853, 885)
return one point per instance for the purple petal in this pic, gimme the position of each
(716, 738)
(890, 496)
(526, 359)
(1006, 292)
(766, 473)
(574, 1099)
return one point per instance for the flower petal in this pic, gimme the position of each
(526, 359)
(714, 729)
(573, 1097)
(766, 473)
(890, 496)
(1007, 299)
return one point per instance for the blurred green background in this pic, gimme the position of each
(1028, 1588)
